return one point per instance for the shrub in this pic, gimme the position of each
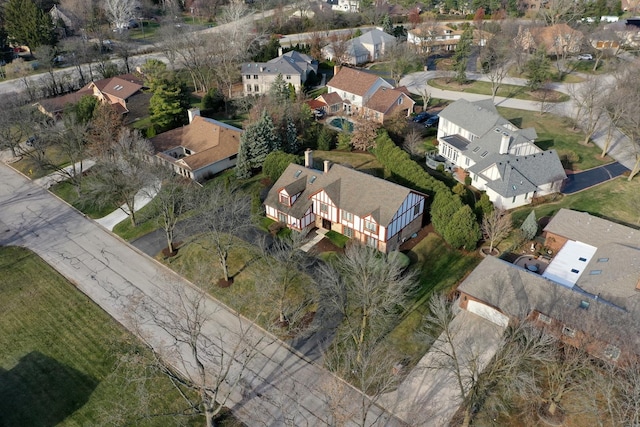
(213, 100)
(276, 162)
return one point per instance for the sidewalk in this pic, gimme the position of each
(54, 178)
(141, 199)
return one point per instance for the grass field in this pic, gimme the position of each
(484, 88)
(555, 132)
(65, 362)
(365, 162)
(67, 192)
(31, 169)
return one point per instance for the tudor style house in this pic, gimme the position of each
(200, 149)
(294, 67)
(365, 94)
(588, 293)
(370, 46)
(558, 39)
(500, 158)
(371, 210)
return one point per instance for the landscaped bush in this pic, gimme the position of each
(276, 162)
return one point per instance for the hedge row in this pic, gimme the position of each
(403, 170)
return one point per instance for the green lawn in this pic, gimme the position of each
(365, 162)
(67, 192)
(31, 169)
(440, 269)
(555, 132)
(196, 261)
(65, 362)
(147, 221)
(484, 88)
(337, 239)
(616, 200)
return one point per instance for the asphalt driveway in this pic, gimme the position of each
(582, 180)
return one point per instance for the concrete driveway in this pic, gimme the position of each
(430, 395)
(582, 180)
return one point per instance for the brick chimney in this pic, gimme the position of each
(308, 158)
(327, 166)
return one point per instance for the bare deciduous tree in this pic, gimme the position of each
(364, 134)
(413, 143)
(204, 357)
(120, 12)
(122, 173)
(589, 98)
(225, 211)
(13, 125)
(496, 226)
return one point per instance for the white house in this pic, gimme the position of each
(346, 6)
(371, 210)
(500, 158)
(294, 67)
(200, 149)
(431, 38)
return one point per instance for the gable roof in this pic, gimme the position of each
(354, 81)
(477, 117)
(289, 63)
(376, 36)
(356, 192)
(209, 140)
(117, 86)
(385, 100)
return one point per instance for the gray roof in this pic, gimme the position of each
(477, 117)
(289, 63)
(376, 36)
(617, 257)
(518, 292)
(521, 174)
(356, 192)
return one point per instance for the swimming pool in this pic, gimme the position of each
(342, 123)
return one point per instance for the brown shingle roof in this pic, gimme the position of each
(118, 87)
(209, 140)
(330, 98)
(353, 81)
(385, 100)
(356, 192)
(58, 104)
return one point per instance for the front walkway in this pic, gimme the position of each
(141, 199)
(314, 238)
(65, 173)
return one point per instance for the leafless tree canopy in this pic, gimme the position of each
(119, 12)
(496, 226)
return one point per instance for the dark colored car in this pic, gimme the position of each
(432, 121)
(421, 117)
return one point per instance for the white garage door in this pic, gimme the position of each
(488, 313)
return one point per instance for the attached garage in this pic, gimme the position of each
(489, 313)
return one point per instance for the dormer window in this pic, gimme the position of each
(285, 199)
(370, 226)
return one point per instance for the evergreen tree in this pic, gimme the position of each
(85, 108)
(538, 69)
(276, 162)
(483, 206)
(530, 226)
(169, 103)
(325, 139)
(279, 90)
(291, 141)
(387, 25)
(444, 206)
(28, 25)
(461, 57)
(243, 168)
(261, 139)
(462, 229)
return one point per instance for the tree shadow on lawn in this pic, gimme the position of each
(40, 391)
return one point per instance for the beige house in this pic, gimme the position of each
(294, 67)
(200, 149)
(558, 39)
(362, 207)
(433, 38)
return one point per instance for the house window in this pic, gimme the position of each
(347, 232)
(612, 352)
(282, 217)
(370, 226)
(416, 210)
(247, 77)
(568, 332)
(288, 77)
(603, 259)
(324, 208)
(284, 199)
(595, 272)
(248, 88)
(544, 318)
(372, 241)
(400, 101)
(347, 216)
(574, 271)
(255, 77)
(256, 88)
(583, 259)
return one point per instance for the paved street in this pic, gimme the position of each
(279, 385)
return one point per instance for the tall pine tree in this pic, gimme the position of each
(28, 25)
(169, 102)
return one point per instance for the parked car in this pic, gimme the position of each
(318, 113)
(29, 142)
(421, 117)
(585, 57)
(432, 121)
